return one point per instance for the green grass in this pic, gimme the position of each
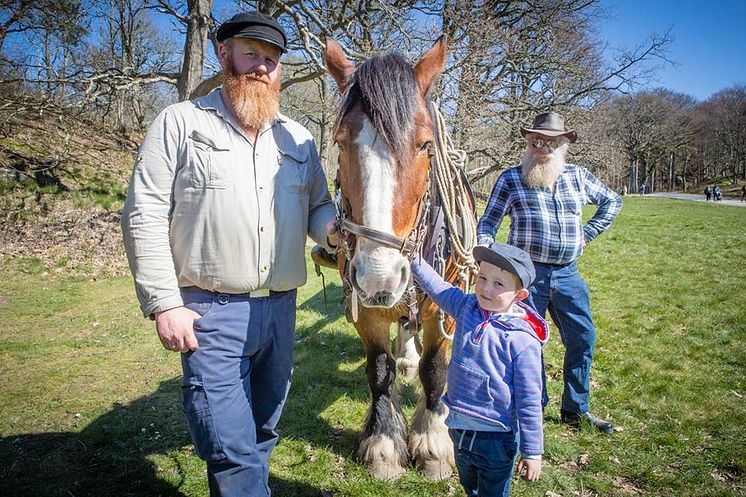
(90, 401)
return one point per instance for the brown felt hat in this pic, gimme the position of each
(550, 124)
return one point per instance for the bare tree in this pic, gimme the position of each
(514, 59)
(724, 132)
(656, 130)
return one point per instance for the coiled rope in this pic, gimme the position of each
(450, 165)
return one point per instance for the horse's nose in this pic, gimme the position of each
(380, 281)
(383, 299)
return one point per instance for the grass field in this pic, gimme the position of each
(90, 401)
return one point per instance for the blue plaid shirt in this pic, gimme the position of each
(548, 224)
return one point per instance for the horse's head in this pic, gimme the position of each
(383, 130)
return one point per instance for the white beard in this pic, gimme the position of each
(540, 171)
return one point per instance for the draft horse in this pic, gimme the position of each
(384, 132)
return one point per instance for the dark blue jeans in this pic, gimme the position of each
(563, 292)
(235, 385)
(485, 461)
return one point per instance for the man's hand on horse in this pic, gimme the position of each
(332, 233)
(175, 328)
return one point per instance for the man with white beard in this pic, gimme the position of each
(223, 193)
(544, 198)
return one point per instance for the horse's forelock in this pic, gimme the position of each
(386, 87)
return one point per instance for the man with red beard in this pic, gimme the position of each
(544, 198)
(224, 191)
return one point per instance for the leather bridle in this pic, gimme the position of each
(408, 246)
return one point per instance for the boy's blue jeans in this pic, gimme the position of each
(235, 385)
(562, 291)
(485, 461)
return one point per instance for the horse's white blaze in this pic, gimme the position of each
(379, 268)
(377, 167)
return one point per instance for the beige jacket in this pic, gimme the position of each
(204, 208)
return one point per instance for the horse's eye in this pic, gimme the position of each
(425, 146)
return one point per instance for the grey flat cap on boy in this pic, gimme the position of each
(509, 258)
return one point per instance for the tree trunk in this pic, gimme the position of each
(671, 177)
(734, 163)
(324, 122)
(194, 47)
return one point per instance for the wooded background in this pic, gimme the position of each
(111, 66)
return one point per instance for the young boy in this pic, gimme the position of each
(494, 377)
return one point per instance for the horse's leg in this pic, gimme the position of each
(408, 349)
(430, 445)
(382, 449)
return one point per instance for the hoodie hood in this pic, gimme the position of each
(538, 326)
(522, 318)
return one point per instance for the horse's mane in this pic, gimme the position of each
(386, 87)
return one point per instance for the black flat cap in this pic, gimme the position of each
(254, 26)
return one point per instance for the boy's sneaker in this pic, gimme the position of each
(574, 419)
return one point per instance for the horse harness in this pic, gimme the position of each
(409, 246)
(429, 238)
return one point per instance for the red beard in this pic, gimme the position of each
(252, 98)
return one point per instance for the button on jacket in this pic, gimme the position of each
(205, 208)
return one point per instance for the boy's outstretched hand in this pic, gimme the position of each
(529, 469)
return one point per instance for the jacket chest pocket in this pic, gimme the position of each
(292, 176)
(209, 162)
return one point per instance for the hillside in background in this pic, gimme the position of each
(63, 180)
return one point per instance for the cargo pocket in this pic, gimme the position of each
(201, 423)
(473, 386)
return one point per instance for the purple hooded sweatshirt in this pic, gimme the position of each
(495, 371)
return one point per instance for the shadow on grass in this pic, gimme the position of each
(109, 456)
(319, 379)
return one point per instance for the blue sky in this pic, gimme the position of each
(709, 46)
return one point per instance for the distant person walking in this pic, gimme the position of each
(743, 193)
(718, 193)
(708, 193)
(642, 189)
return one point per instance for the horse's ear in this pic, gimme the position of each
(431, 65)
(337, 63)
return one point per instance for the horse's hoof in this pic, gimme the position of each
(435, 470)
(382, 470)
